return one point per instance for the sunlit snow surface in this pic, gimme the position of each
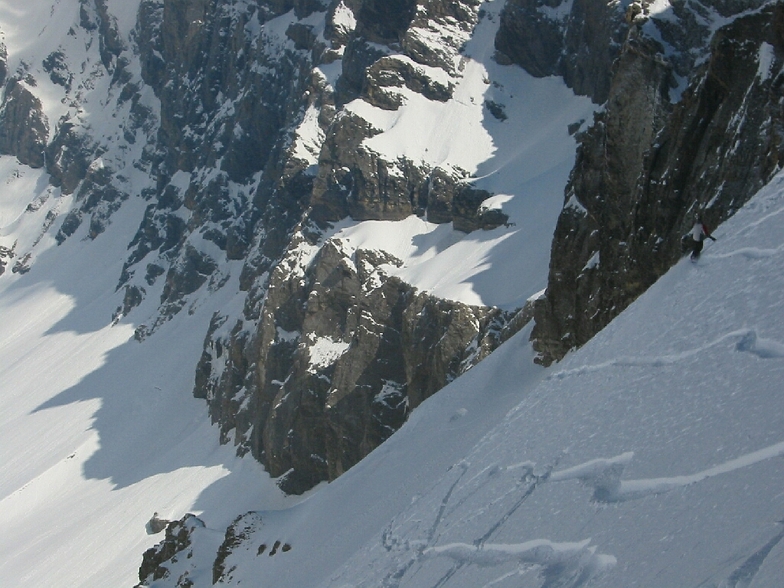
(652, 457)
(97, 431)
(523, 160)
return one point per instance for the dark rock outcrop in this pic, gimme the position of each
(355, 181)
(176, 544)
(576, 40)
(647, 166)
(24, 129)
(3, 63)
(343, 352)
(238, 533)
(6, 254)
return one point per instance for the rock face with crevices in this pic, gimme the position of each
(344, 352)
(24, 129)
(238, 124)
(176, 547)
(230, 121)
(692, 123)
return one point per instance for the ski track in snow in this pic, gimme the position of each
(749, 253)
(744, 574)
(604, 475)
(541, 552)
(558, 561)
(748, 342)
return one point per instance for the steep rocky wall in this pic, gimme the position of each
(24, 129)
(331, 352)
(575, 39)
(654, 158)
(343, 352)
(230, 95)
(157, 562)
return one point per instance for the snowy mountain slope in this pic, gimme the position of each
(650, 457)
(225, 136)
(59, 53)
(522, 157)
(98, 431)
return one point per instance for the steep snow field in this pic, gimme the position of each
(97, 431)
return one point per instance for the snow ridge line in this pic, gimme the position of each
(749, 342)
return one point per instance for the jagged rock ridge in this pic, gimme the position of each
(692, 123)
(232, 126)
(237, 131)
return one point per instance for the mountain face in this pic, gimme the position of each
(230, 119)
(242, 125)
(692, 123)
(651, 456)
(262, 134)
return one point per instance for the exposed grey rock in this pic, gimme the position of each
(176, 544)
(56, 65)
(369, 62)
(3, 63)
(355, 181)
(6, 255)
(389, 72)
(385, 21)
(646, 166)
(68, 155)
(358, 56)
(238, 533)
(111, 45)
(187, 276)
(24, 129)
(343, 352)
(577, 41)
(156, 524)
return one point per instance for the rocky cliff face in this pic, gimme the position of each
(233, 125)
(343, 351)
(242, 126)
(23, 127)
(692, 123)
(332, 352)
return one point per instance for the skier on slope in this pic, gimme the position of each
(699, 232)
